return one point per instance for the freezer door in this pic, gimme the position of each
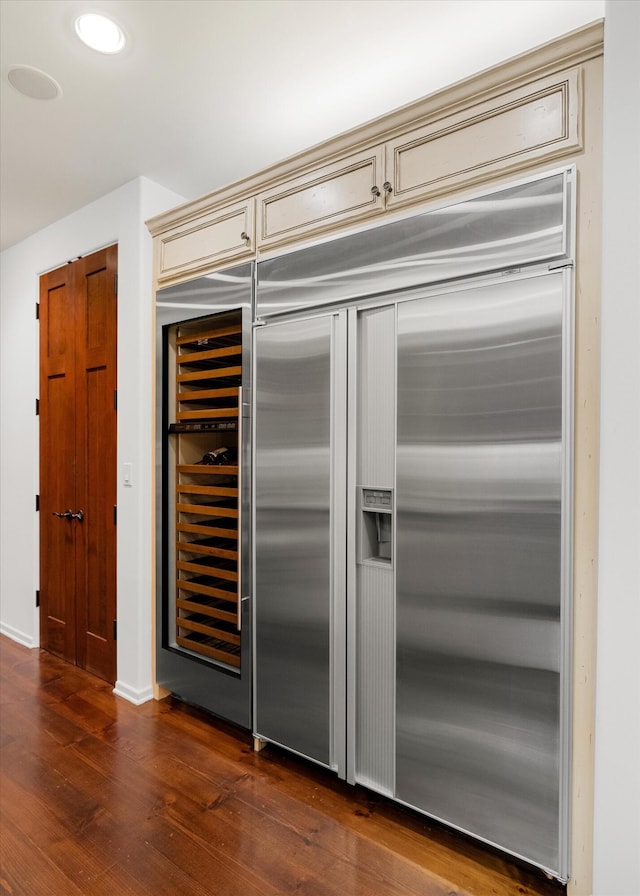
(480, 707)
(299, 536)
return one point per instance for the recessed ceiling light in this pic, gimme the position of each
(32, 82)
(100, 33)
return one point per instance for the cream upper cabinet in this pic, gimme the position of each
(221, 235)
(510, 132)
(335, 194)
(524, 113)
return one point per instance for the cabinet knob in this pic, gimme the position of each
(386, 186)
(244, 236)
(375, 191)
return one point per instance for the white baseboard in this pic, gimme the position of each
(16, 635)
(133, 695)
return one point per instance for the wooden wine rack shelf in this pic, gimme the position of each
(207, 496)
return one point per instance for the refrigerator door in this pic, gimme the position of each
(481, 709)
(299, 536)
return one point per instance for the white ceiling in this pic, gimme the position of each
(209, 91)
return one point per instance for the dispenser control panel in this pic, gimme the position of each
(377, 499)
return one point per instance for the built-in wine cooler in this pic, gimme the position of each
(204, 625)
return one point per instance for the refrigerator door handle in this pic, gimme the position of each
(239, 599)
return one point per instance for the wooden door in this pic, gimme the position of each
(78, 314)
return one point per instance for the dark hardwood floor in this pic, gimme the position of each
(101, 797)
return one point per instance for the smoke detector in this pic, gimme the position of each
(32, 82)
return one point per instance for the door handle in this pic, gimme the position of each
(69, 515)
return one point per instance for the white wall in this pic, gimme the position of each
(118, 217)
(617, 746)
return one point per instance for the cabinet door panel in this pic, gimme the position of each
(539, 121)
(203, 242)
(331, 195)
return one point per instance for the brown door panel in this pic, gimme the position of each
(96, 469)
(53, 637)
(57, 462)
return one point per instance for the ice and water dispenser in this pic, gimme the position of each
(376, 526)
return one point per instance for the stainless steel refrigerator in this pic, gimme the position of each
(412, 477)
